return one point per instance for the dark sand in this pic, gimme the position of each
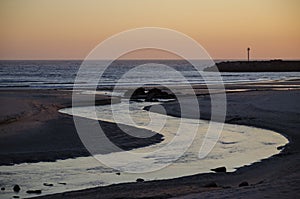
(33, 130)
(276, 177)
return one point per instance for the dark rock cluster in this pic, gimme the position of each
(151, 95)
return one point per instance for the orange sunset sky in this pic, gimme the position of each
(70, 29)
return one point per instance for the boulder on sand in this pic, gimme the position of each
(219, 170)
(140, 180)
(155, 94)
(244, 184)
(38, 191)
(135, 94)
(48, 184)
(17, 188)
(151, 96)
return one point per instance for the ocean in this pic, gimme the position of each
(61, 74)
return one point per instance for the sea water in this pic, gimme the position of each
(61, 74)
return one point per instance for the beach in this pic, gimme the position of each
(33, 130)
(150, 99)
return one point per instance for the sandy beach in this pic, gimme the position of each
(149, 99)
(33, 130)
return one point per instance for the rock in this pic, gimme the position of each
(63, 183)
(2, 188)
(153, 94)
(140, 180)
(219, 170)
(139, 91)
(118, 173)
(16, 196)
(280, 148)
(151, 98)
(38, 191)
(166, 95)
(244, 184)
(48, 184)
(211, 184)
(154, 91)
(17, 188)
(135, 94)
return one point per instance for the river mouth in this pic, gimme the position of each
(238, 146)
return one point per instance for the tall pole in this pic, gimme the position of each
(248, 53)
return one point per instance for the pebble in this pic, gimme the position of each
(17, 188)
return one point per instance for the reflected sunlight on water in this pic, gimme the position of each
(238, 146)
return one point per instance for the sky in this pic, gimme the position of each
(70, 29)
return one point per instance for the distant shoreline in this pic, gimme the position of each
(256, 66)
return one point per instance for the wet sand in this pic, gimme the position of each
(32, 129)
(261, 106)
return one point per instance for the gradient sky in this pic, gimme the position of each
(70, 29)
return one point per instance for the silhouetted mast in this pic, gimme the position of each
(248, 53)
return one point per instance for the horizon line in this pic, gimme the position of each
(143, 59)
